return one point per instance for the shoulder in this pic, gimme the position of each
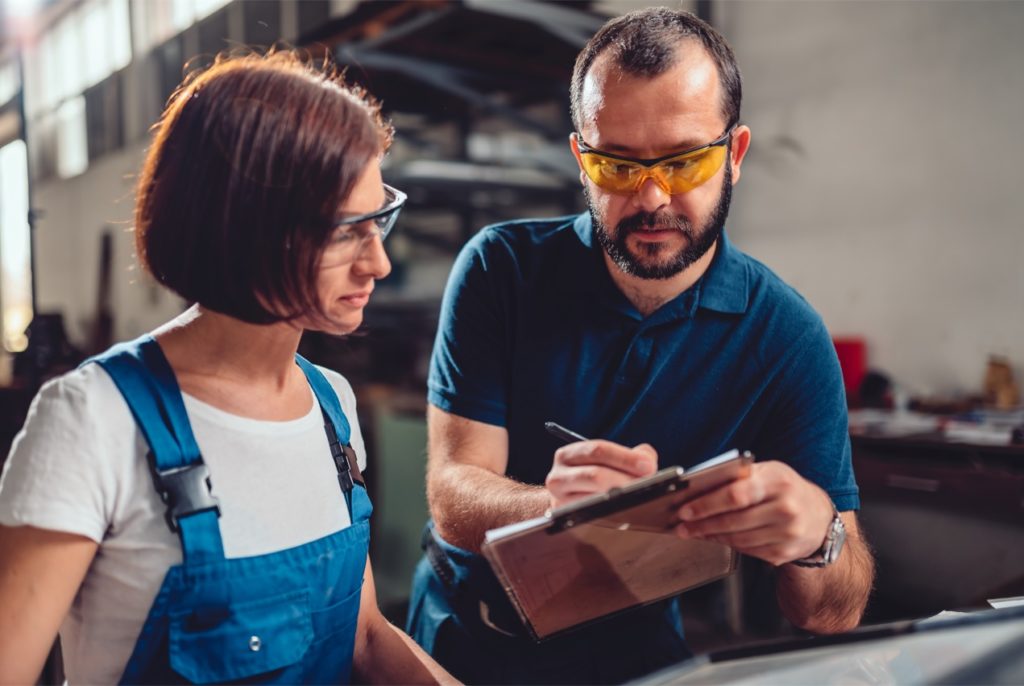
(73, 458)
(525, 231)
(786, 322)
(79, 418)
(772, 297)
(84, 395)
(520, 240)
(341, 387)
(501, 259)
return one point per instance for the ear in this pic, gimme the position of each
(574, 145)
(740, 145)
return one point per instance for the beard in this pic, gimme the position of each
(646, 262)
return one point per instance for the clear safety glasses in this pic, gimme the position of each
(352, 232)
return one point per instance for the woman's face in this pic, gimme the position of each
(350, 265)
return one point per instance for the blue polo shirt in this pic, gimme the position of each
(533, 329)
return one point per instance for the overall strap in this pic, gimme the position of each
(327, 398)
(147, 382)
(338, 430)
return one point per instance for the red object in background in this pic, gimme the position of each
(852, 352)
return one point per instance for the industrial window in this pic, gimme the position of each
(72, 145)
(68, 58)
(8, 81)
(67, 61)
(15, 255)
(155, 21)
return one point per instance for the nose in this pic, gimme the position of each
(372, 259)
(650, 196)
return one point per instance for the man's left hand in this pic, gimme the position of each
(773, 514)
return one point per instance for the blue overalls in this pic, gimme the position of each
(283, 617)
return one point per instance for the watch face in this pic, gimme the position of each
(837, 537)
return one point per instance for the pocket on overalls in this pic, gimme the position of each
(255, 637)
(337, 618)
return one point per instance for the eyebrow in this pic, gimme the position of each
(356, 215)
(626, 151)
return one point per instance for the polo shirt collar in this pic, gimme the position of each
(584, 229)
(725, 286)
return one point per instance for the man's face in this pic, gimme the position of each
(636, 249)
(649, 233)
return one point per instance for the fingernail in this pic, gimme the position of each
(686, 513)
(682, 530)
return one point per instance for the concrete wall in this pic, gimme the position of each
(884, 180)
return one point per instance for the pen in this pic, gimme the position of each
(562, 433)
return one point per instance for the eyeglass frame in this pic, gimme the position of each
(584, 148)
(395, 206)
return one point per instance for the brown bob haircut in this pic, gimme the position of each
(249, 164)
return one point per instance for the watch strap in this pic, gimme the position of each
(825, 555)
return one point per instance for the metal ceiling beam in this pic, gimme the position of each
(404, 29)
(572, 26)
(444, 78)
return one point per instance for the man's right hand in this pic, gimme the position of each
(588, 467)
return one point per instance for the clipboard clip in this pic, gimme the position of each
(662, 483)
(616, 500)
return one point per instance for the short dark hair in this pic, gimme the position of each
(248, 165)
(645, 43)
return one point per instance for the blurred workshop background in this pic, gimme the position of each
(884, 183)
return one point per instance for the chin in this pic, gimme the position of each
(340, 326)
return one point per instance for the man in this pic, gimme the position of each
(638, 323)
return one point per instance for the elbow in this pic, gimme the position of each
(827, 618)
(449, 529)
(837, 603)
(438, 493)
(441, 499)
(824, 624)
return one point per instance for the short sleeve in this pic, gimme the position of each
(54, 477)
(808, 426)
(468, 368)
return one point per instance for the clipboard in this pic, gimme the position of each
(611, 552)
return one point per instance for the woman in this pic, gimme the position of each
(188, 506)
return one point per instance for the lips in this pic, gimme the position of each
(356, 299)
(662, 220)
(654, 234)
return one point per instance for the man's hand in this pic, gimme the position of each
(773, 514)
(590, 467)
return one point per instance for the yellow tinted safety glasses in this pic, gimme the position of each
(676, 173)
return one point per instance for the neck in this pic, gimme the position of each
(202, 342)
(647, 295)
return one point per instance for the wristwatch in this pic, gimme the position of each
(830, 548)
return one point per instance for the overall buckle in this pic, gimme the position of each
(344, 457)
(186, 491)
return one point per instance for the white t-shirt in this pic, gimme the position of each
(79, 466)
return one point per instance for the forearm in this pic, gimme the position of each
(467, 500)
(389, 656)
(24, 644)
(830, 599)
(26, 633)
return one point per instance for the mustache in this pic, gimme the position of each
(654, 221)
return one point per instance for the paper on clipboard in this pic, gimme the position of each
(611, 552)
